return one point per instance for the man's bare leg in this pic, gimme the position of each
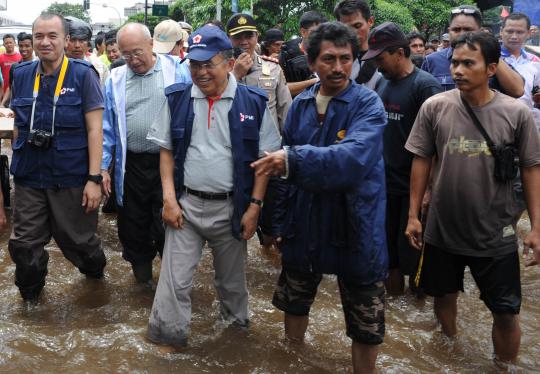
(446, 312)
(295, 327)
(395, 283)
(364, 357)
(506, 335)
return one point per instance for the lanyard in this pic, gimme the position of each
(57, 90)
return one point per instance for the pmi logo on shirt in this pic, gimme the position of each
(244, 117)
(66, 90)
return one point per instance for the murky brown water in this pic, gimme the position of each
(88, 326)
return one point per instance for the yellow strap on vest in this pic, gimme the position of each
(59, 83)
(57, 91)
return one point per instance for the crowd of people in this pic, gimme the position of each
(353, 150)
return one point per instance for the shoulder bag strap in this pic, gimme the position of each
(477, 124)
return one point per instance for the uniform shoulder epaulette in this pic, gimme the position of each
(85, 63)
(271, 59)
(26, 63)
(82, 62)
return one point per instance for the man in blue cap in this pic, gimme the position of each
(210, 193)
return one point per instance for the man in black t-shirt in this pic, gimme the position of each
(293, 59)
(357, 14)
(403, 90)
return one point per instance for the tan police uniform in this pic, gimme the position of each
(266, 74)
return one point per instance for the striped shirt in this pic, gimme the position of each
(144, 97)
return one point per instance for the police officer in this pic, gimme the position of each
(255, 70)
(263, 72)
(58, 106)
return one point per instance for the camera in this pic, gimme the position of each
(237, 51)
(535, 90)
(40, 138)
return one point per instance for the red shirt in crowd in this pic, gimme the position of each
(5, 64)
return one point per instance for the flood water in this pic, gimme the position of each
(89, 326)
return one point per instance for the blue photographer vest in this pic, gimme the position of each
(245, 118)
(65, 163)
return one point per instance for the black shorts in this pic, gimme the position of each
(363, 305)
(400, 254)
(497, 277)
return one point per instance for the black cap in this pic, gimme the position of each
(274, 35)
(239, 23)
(78, 29)
(384, 36)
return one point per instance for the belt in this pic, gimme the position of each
(209, 195)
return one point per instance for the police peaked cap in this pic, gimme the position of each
(239, 23)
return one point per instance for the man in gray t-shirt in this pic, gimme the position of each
(472, 216)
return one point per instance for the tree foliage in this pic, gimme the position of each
(390, 11)
(151, 21)
(67, 9)
(427, 16)
(431, 16)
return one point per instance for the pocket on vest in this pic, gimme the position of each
(22, 107)
(71, 155)
(69, 112)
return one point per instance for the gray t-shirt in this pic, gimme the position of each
(209, 163)
(471, 213)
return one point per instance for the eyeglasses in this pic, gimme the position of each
(196, 66)
(464, 11)
(136, 54)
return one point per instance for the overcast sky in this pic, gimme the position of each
(26, 11)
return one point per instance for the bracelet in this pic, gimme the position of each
(256, 201)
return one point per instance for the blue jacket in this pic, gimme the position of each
(65, 163)
(438, 65)
(331, 216)
(114, 116)
(244, 140)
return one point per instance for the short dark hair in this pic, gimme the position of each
(335, 32)
(467, 10)
(488, 44)
(110, 41)
(100, 38)
(416, 35)
(406, 50)
(430, 46)
(311, 18)
(50, 15)
(111, 34)
(7, 36)
(348, 7)
(24, 36)
(517, 16)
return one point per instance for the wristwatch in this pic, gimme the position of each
(97, 179)
(256, 201)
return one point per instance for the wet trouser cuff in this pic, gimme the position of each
(167, 336)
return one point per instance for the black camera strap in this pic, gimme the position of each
(477, 124)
